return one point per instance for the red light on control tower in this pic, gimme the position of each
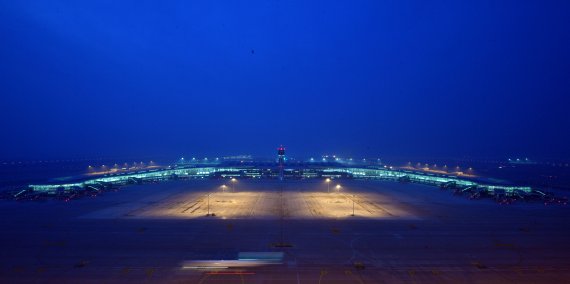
(281, 151)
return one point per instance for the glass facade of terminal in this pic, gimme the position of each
(296, 173)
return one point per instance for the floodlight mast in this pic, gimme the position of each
(208, 205)
(338, 187)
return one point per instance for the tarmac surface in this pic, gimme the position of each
(400, 233)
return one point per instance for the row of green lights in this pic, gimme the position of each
(201, 172)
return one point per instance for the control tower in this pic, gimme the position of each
(281, 160)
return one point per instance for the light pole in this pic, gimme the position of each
(224, 187)
(328, 181)
(338, 187)
(234, 180)
(208, 205)
(353, 205)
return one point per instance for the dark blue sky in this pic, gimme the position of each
(370, 78)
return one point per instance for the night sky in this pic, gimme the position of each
(360, 78)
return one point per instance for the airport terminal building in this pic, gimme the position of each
(280, 168)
